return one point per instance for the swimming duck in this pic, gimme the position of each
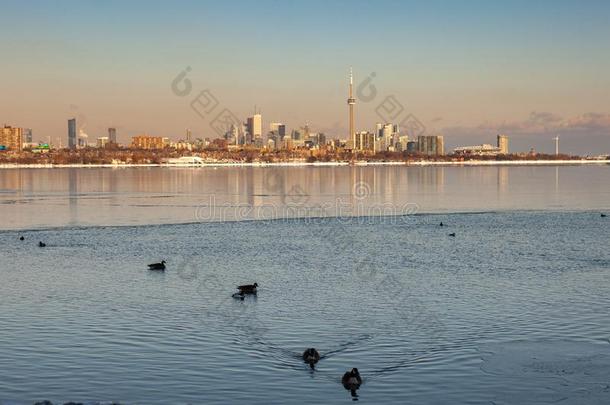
(351, 381)
(40, 244)
(247, 288)
(21, 238)
(157, 266)
(452, 234)
(441, 224)
(311, 357)
(603, 215)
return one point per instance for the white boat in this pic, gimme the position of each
(184, 161)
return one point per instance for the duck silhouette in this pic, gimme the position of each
(311, 357)
(351, 381)
(452, 234)
(21, 238)
(157, 266)
(603, 215)
(247, 288)
(41, 244)
(441, 224)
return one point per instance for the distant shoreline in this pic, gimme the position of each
(319, 164)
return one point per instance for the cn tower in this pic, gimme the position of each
(351, 101)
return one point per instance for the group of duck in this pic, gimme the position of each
(351, 380)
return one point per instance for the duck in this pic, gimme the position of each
(247, 288)
(41, 244)
(351, 381)
(311, 357)
(603, 215)
(21, 238)
(157, 266)
(441, 224)
(452, 234)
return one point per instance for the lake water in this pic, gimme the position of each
(512, 310)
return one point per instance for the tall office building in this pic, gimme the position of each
(387, 133)
(112, 135)
(350, 102)
(11, 138)
(278, 128)
(72, 133)
(431, 145)
(503, 144)
(27, 135)
(255, 126)
(188, 135)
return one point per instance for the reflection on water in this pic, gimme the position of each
(33, 198)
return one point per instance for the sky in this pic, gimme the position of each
(467, 70)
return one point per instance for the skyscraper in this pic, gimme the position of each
(431, 145)
(188, 135)
(503, 144)
(112, 135)
(278, 128)
(72, 133)
(255, 126)
(351, 101)
(27, 135)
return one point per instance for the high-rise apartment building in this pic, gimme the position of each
(431, 145)
(72, 133)
(11, 138)
(503, 144)
(27, 135)
(112, 135)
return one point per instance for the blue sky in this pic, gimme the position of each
(465, 69)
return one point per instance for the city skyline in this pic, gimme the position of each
(459, 69)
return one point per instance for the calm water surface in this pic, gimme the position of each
(512, 310)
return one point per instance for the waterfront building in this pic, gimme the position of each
(72, 133)
(503, 144)
(431, 145)
(478, 150)
(27, 135)
(278, 128)
(102, 141)
(365, 141)
(254, 126)
(11, 138)
(148, 142)
(112, 135)
(412, 146)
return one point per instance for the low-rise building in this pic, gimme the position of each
(148, 142)
(478, 150)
